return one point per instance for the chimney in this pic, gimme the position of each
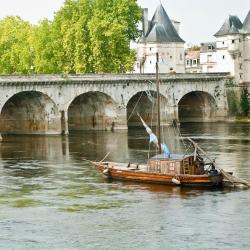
(145, 21)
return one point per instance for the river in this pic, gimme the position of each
(50, 198)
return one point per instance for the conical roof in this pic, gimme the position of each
(246, 24)
(232, 25)
(161, 29)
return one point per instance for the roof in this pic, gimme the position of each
(246, 24)
(208, 47)
(232, 25)
(161, 28)
(172, 157)
(192, 54)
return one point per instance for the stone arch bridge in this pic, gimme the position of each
(55, 104)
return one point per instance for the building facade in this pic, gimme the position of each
(160, 35)
(192, 60)
(231, 51)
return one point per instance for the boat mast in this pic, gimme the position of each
(158, 102)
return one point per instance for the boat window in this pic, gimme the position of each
(171, 166)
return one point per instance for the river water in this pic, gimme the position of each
(50, 198)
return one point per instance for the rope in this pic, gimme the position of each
(135, 106)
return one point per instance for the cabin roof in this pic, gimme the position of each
(172, 157)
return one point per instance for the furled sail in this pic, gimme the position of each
(153, 138)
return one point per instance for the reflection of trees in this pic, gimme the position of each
(95, 145)
(27, 156)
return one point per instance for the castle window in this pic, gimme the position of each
(223, 57)
(194, 62)
(187, 62)
(223, 42)
(232, 41)
(150, 62)
(150, 49)
(240, 65)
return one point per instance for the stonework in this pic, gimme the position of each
(53, 104)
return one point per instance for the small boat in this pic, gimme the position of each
(196, 169)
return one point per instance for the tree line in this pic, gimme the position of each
(85, 36)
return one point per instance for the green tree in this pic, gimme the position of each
(47, 50)
(71, 26)
(16, 55)
(245, 105)
(86, 36)
(112, 26)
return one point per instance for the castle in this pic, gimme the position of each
(160, 35)
(230, 52)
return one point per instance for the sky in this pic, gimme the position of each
(200, 19)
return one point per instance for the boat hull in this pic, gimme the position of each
(135, 175)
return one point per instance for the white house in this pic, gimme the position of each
(160, 35)
(231, 52)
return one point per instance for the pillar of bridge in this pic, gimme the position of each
(64, 122)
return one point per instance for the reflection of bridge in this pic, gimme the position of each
(55, 104)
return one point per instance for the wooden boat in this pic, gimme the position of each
(176, 170)
(167, 168)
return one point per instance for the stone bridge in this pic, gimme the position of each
(55, 104)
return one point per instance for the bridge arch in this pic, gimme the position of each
(30, 112)
(95, 110)
(197, 106)
(145, 103)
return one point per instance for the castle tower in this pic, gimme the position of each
(246, 48)
(229, 47)
(160, 36)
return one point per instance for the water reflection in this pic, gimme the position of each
(44, 180)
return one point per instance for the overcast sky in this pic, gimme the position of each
(199, 19)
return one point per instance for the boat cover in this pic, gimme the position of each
(172, 157)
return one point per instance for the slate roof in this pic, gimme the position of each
(161, 29)
(246, 24)
(232, 25)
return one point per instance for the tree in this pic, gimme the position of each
(112, 26)
(85, 36)
(15, 46)
(245, 105)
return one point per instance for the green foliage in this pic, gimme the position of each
(244, 103)
(16, 54)
(112, 27)
(233, 102)
(86, 36)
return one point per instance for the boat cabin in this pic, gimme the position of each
(175, 164)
